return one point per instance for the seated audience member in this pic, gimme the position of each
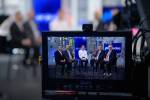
(33, 33)
(100, 54)
(69, 56)
(60, 59)
(83, 56)
(18, 35)
(110, 60)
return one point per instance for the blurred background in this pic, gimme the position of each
(21, 24)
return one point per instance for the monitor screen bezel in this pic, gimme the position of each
(125, 84)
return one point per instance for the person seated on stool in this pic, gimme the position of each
(34, 34)
(19, 38)
(110, 59)
(93, 56)
(83, 56)
(100, 54)
(69, 56)
(60, 59)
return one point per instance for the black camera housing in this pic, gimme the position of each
(87, 27)
(107, 85)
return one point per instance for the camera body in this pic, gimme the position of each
(87, 27)
(57, 81)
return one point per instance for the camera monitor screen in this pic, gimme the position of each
(86, 57)
(78, 61)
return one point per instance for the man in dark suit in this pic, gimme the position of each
(60, 59)
(18, 35)
(33, 33)
(110, 60)
(93, 56)
(100, 58)
(69, 56)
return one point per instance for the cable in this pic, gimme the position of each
(142, 21)
(139, 34)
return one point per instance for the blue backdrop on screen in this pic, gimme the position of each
(44, 12)
(78, 43)
(116, 46)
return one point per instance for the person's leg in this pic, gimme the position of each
(73, 65)
(101, 65)
(81, 63)
(92, 63)
(105, 68)
(69, 67)
(86, 67)
(36, 53)
(26, 60)
(97, 65)
(62, 69)
(109, 68)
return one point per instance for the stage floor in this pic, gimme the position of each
(77, 73)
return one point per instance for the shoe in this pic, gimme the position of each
(104, 74)
(27, 62)
(107, 74)
(110, 74)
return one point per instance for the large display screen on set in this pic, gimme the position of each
(80, 61)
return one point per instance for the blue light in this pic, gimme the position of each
(46, 6)
(84, 38)
(45, 11)
(44, 17)
(107, 17)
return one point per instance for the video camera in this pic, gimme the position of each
(107, 70)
